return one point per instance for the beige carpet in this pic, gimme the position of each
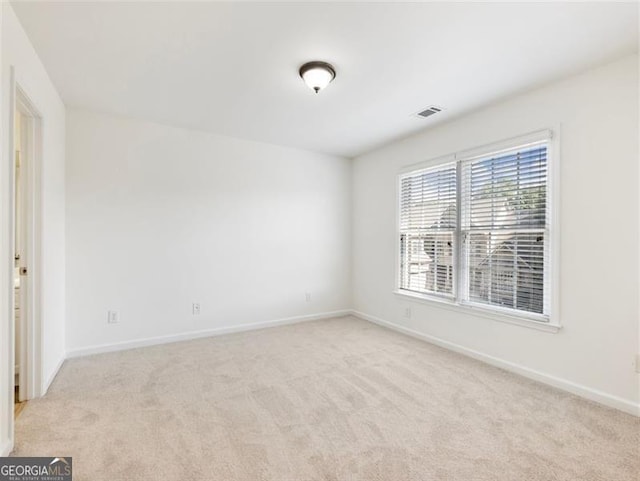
(339, 399)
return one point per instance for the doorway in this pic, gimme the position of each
(26, 153)
(19, 260)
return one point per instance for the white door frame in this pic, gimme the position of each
(31, 349)
(31, 352)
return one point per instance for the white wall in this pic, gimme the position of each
(18, 52)
(594, 353)
(161, 217)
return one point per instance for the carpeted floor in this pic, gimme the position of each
(339, 399)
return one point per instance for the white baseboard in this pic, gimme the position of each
(579, 390)
(49, 380)
(218, 331)
(7, 446)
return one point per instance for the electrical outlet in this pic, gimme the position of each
(113, 317)
(195, 308)
(407, 312)
(307, 296)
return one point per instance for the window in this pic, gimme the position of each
(427, 230)
(475, 229)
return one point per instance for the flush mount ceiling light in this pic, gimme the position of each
(317, 75)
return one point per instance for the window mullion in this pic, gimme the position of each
(459, 274)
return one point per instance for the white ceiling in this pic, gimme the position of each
(231, 68)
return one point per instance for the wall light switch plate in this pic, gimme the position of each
(113, 317)
(638, 363)
(196, 309)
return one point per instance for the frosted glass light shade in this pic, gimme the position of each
(317, 75)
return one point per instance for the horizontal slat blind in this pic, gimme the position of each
(427, 230)
(504, 224)
(507, 270)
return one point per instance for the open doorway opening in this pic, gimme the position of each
(19, 260)
(26, 146)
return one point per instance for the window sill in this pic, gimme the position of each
(473, 310)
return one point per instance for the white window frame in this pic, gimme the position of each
(549, 322)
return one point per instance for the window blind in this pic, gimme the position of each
(428, 219)
(504, 227)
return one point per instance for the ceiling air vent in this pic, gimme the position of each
(428, 112)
